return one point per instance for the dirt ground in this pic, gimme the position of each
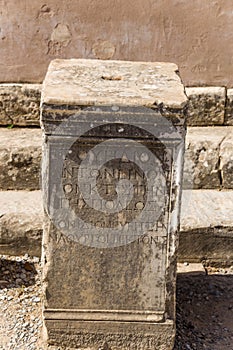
(205, 310)
(204, 307)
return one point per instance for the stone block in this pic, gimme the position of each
(206, 106)
(121, 335)
(226, 160)
(207, 227)
(111, 174)
(20, 158)
(191, 268)
(20, 104)
(202, 157)
(229, 108)
(21, 221)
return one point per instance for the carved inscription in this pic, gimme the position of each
(120, 185)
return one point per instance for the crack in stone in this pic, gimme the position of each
(219, 164)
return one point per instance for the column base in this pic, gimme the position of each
(109, 335)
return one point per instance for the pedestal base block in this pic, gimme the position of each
(108, 335)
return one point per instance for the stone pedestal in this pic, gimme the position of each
(112, 171)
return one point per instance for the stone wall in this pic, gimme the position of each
(208, 106)
(196, 35)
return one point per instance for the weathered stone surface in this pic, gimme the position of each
(20, 157)
(105, 124)
(207, 226)
(20, 104)
(193, 268)
(111, 335)
(21, 221)
(113, 83)
(206, 208)
(208, 157)
(226, 160)
(229, 108)
(206, 105)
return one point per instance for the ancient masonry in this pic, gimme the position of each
(206, 222)
(112, 167)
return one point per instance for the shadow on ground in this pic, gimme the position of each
(204, 312)
(16, 273)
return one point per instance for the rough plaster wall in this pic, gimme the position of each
(197, 35)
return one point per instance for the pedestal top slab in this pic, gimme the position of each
(86, 82)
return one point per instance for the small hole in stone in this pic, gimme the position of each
(104, 77)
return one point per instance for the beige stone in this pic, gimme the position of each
(134, 83)
(19, 104)
(206, 208)
(206, 105)
(191, 268)
(207, 227)
(21, 220)
(204, 157)
(226, 160)
(20, 158)
(229, 108)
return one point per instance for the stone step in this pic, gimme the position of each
(208, 158)
(20, 157)
(21, 222)
(20, 104)
(206, 225)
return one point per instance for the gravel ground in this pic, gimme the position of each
(20, 303)
(204, 307)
